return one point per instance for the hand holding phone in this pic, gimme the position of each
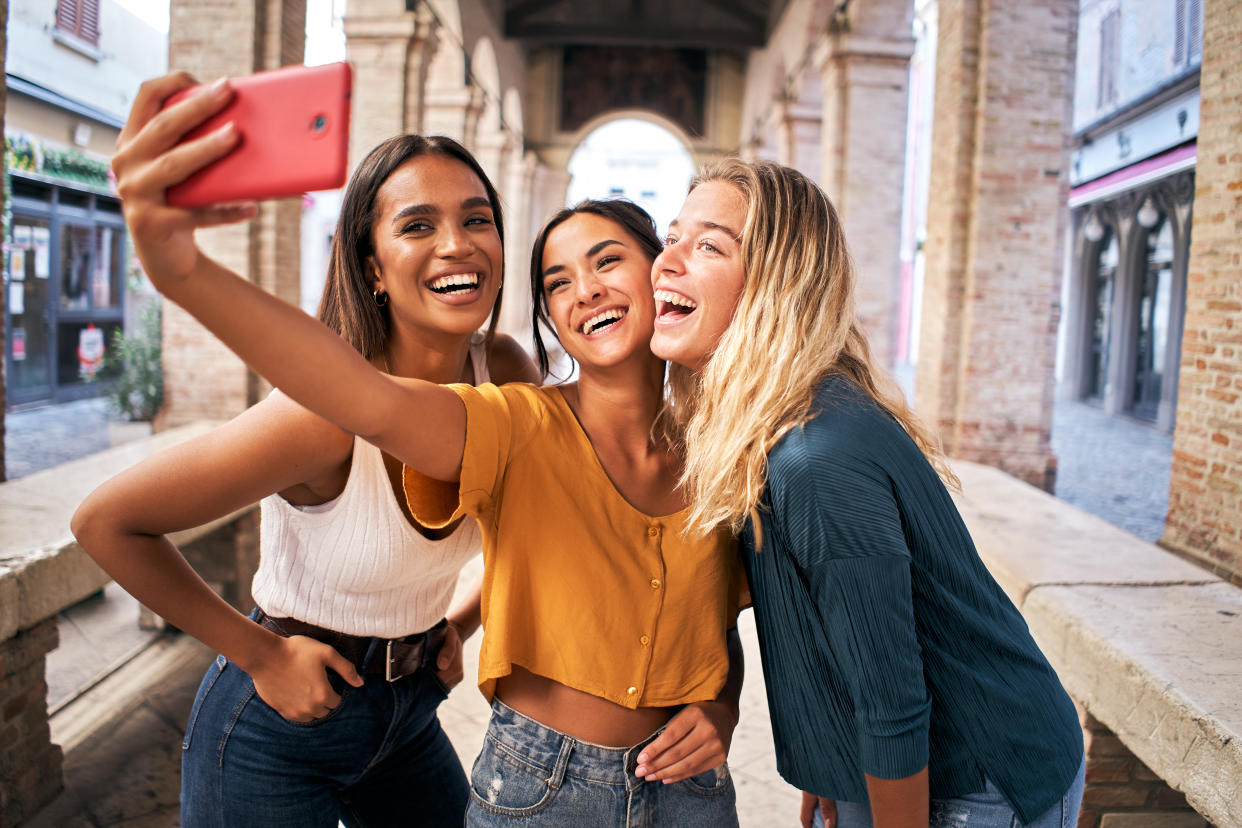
(293, 125)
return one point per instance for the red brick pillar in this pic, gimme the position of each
(865, 92)
(1205, 492)
(30, 765)
(202, 378)
(995, 230)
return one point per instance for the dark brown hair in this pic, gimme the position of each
(633, 219)
(347, 306)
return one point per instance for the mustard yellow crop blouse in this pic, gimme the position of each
(578, 585)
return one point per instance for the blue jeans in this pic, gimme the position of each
(533, 775)
(980, 810)
(379, 758)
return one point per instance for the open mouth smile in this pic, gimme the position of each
(457, 284)
(602, 321)
(672, 307)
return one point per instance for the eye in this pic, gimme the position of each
(416, 226)
(670, 240)
(605, 261)
(479, 221)
(708, 245)
(551, 286)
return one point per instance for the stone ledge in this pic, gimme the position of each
(1145, 640)
(42, 568)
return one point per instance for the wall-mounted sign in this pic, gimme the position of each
(90, 350)
(19, 344)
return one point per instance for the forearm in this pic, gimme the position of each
(899, 803)
(731, 693)
(293, 351)
(151, 569)
(466, 614)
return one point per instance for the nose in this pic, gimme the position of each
(668, 261)
(588, 289)
(454, 242)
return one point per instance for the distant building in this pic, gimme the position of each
(1136, 119)
(72, 71)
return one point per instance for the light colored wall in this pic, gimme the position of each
(129, 52)
(1145, 50)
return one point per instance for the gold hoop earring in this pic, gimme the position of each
(381, 298)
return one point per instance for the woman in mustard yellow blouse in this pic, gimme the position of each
(607, 645)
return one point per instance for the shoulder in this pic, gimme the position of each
(279, 418)
(518, 403)
(507, 361)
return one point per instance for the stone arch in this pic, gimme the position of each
(488, 139)
(603, 119)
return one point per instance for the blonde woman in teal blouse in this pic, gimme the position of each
(904, 686)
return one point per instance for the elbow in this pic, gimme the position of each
(92, 521)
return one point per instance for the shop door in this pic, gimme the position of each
(28, 311)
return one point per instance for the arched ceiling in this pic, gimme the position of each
(704, 24)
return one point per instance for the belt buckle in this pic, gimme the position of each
(388, 661)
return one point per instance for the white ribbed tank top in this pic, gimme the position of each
(355, 564)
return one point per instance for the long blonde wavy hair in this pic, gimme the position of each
(794, 325)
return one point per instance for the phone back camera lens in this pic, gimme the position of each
(320, 123)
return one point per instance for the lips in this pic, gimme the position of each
(602, 320)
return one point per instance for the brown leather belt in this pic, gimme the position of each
(392, 658)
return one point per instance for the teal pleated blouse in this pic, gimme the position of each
(886, 644)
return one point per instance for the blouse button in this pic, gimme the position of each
(653, 530)
(644, 640)
(629, 691)
(655, 583)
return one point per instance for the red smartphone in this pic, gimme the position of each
(294, 126)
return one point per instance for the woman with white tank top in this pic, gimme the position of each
(322, 704)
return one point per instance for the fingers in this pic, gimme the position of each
(341, 666)
(168, 125)
(806, 813)
(150, 98)
(828, 810)
(450, 650)
(690, 744)
(165, 168)
(224, 214)
(703, 758)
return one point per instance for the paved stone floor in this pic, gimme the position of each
(39, 438)
(1114, 468)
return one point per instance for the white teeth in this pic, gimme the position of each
(600, 318)
(468, 280)
(674, 299)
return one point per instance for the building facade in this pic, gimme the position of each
(1136, 121)
(71, 71)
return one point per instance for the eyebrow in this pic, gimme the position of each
(711, 225)
(429, 209)
(595, 248)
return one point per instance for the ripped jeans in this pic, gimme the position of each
(981, 810)
(529, 774)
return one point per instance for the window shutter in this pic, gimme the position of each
(79, 18)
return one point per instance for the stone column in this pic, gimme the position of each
(202, 378)
(517, 193)
(995, 230)
(390, 49)
(1205, 493)
(865, 67)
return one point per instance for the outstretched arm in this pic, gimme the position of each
(419, 423)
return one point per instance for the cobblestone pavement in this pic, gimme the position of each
(1114, 468)
(40, 438)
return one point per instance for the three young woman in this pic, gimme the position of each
(323, 705)
(573, 489)
(902, 682)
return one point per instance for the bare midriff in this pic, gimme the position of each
(579, 714)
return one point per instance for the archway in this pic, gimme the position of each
(634, 156)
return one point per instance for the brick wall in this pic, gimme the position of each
(995, 228)
(1121, 792)
(4, 342)
(30, 766)
(1205, 491)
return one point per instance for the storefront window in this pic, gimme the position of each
(75, 267)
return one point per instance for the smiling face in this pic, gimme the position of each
(437, 254)
(698, 279)
(597, 282)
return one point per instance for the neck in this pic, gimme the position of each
(434, 356)
(619, 404)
